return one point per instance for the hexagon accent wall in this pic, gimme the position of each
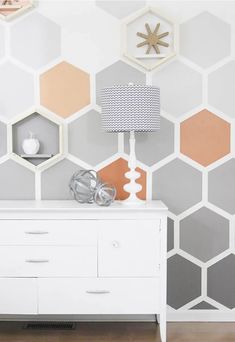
(88, 141)
(120, 9)
(16, 182)
(200, 37)
(178, 184)
(14, 80)
(114, 173)
(30, 33)
(3, 139)
(184, 281)
(221, 186)
(2, 41)
(205, 137)
(118, 73)
(65, 89)
(152, 147)
(217, 96)
(181, 87)
(221, 278)
(204, 234)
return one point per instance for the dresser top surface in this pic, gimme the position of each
(71, 205)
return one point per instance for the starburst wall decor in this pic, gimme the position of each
(152, 39)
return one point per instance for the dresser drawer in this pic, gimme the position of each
(129, 248)
(18, 296)
(46, 261)
(48, 232)
(98, 296)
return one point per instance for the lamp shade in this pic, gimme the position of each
(130, 108)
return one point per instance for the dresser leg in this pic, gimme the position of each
(163, 327)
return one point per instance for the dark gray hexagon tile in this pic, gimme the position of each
(203, 306)
(181, 88)
(55, 180)
(118, 73)
(16, 182)
(89, 142)
(177, 184)
(152, 147)
(3, 139)
(170, 234)
(120, 9)
(217, 96)
(221, 281)
(184, 281)
(204, 234)
(221, 186)
(207, 31)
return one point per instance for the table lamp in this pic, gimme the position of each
(131, 108)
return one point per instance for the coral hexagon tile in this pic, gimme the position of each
(88, 141)
(118, 73)
(205, 137)
(65, 89)
(181, 87)
(14, 80)
(184, 281)
(177, 184)
(35, 40)
(200, 37)
(120, 9)
(16, 182)
(152, 147)
(221, 186)
(204, 234)
(220, 281)
(114, 174)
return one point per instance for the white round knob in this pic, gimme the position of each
(115, 244)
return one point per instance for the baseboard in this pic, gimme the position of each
(201, 316)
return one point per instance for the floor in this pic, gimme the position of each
(122, 332)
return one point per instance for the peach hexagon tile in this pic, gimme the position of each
(35, 40)
(114, 174)
(205, 137)
(65, 89)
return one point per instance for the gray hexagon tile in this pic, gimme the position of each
(3, 139)
(217, 96)
(154, 146)
(88, 141)
(181, 88)
(200, 38)
(55, 180)
(221, 281)
(14, 80)
(2, 41)
(221, 186)
(203, 306)
(120, 9)
(184, 281)
(118, 73)
(204, 234)
(170, 234)
(40, 39)
(177, 184)
(16, 182)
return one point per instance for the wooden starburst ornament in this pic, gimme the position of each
(152, 39)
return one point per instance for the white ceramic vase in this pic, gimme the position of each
(31, 145)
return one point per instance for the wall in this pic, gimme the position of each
(55, 58)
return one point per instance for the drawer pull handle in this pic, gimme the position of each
(97, 291)
(115, 244)
(36, 261)
(36, 232)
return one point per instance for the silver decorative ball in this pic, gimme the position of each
(105, 194)
(83, 185)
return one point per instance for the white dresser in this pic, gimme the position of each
(64, 258)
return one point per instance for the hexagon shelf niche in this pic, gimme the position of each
(145, 22)
(12, 8)
(46, 129)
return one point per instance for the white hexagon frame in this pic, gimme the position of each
(129, 50)
(17, 12)
(47, 163)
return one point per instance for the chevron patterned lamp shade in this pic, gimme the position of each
(130, 108)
